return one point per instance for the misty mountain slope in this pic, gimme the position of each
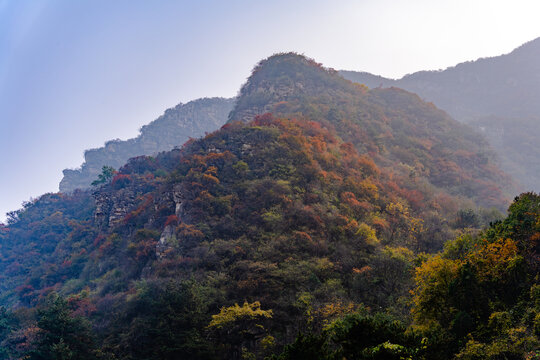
(506, 88)
(396, 128)
(173, 128)
(518, 142)
(506, 85)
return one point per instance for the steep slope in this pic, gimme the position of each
(314, 212)
(505, 88)
(173, 128)
(277, 211)
(396, 128)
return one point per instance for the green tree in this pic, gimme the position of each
(307, 347)
(107, 173)
(8, 323)
(378, 336)
(62, 335)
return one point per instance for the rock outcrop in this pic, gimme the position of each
(172, 129)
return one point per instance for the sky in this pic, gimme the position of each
(74, 74)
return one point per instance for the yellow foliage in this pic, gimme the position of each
(333, 311)
(369, 188)
(493, 259)
(367, 234)
(399, 253)
(433, 279)
(397, 208)
(268, 342)
(231, 314)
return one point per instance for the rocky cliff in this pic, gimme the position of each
(173, 128)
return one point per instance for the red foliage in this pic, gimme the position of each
(147, 201)
(81, 306)
(26, 292)
(190, 231)
(120, 181)
(171, 220)
(266, 119)
(415, 198)
(349, 198)
(98, 239)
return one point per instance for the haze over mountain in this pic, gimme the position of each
(74, 74)
(497, 95)
(310, 207)
(176, 126)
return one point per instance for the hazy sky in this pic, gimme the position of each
(74, 74)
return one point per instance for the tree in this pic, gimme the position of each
(8, 323)
(239, 327)
(62, 335)
(107, 173)
(378, 336)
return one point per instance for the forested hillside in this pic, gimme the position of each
(503, 88)
(394, 127)
(293, 232)
(173, 128)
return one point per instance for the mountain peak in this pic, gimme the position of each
(287, 60)
(283, 77)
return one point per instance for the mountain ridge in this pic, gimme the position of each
(367, 118)
(314, 202)
(173, 128)
(488, 93)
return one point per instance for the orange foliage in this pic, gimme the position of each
(492, 259)
(171, 220)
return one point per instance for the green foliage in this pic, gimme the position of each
(8, 323)
(306, 347)
(379, 336)
(107, 173)
(281, 212)
(240, 328)
(478, 299)
(163, 320)
(356, 336)
(62, 334)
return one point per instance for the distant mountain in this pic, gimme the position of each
(505, 88)
(173, 128)
(517, 141)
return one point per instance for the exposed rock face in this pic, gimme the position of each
(103, 208)
(166, 241)
(111, 208)
(172, 129)
(179, 202)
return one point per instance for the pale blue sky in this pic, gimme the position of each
(74, 74)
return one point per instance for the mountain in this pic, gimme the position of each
(504, 88)
(173, 128)
(396, 128)
(314, 203)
